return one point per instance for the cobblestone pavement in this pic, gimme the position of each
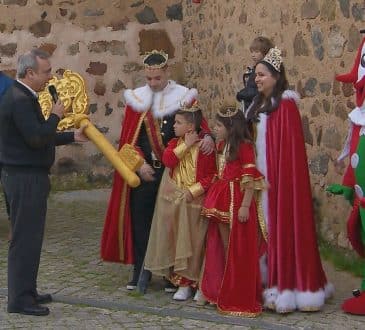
(90, 294)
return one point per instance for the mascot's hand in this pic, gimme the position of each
(339, 189)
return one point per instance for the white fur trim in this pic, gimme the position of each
(307, 301)
(289, 300)
(329, 290)
(162, 103)
(357, 116)
(264, 270)
(285, 302)
(261, 161)
(290, 94)
(140, 99)
(270, 295)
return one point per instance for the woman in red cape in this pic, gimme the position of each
(231, 274)
(296, 279)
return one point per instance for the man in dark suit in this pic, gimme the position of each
(27, 151)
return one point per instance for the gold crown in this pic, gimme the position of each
(155, 52)
(190, 107)
(274, 58)
(228, 111)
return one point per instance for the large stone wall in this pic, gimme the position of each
(319, 38)
(102, 40)
(208, 47)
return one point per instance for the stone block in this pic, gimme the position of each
(345, 7)
(147, 16)
(118, 86)
(99, 88)
(308, 136)
(73, 49)
(48, 47)
(8, 50)
(310, 9)
(155, 39)
(318, 165)
(15, 2)
(174, 12)
(93, 12)
(108, 109)
(40, 29)
(97, 68)
(300, 45)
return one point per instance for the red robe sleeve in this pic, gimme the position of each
(250, 175)
(169, 159)
(206, 169)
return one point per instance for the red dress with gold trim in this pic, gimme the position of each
(233, 284)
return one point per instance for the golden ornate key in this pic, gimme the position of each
(72, 92)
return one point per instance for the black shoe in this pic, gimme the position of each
(43, 298)
(170, 288)
(30, 310)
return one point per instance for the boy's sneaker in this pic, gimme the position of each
(170, 288)
(183, 293)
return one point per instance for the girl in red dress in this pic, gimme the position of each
(231, 275)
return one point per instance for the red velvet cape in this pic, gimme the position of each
(118, 213)
(293, 257)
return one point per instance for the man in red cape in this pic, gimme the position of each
(148, 126)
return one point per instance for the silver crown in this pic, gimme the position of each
(274, 58)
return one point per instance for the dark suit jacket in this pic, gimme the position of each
(26, 138)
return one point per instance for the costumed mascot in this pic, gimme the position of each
(353, 184)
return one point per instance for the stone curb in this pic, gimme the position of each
(163, 311)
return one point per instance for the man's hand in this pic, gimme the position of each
(146, 172)
(339, 166)
(207, 145)
(243, 213)
(58, 109)
(188, 196)
(190, 138)
(79, 135)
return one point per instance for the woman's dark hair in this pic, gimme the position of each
(269, 104)
(237, 132)
(195, 118)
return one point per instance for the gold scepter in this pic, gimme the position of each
(72, 92)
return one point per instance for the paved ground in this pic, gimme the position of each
(90, 294)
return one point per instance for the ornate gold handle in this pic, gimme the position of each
(72, 92)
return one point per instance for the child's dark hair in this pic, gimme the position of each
(237, 131)
(261, 44)
(195, 117)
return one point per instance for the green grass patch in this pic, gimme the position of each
(135, 294)
(78, 181)
(342, 259)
